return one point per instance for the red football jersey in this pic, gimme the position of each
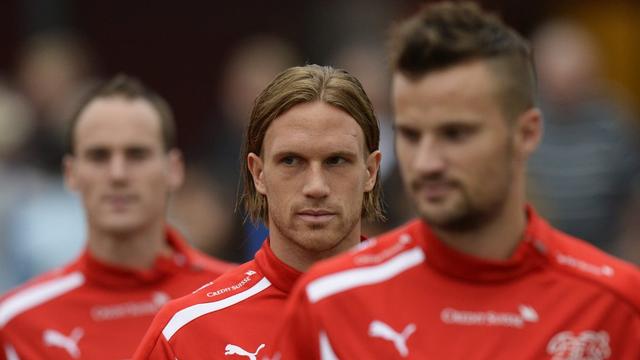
(406, 295)
(91, 310)
(230, 318)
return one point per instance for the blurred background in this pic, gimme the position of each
(210, 59)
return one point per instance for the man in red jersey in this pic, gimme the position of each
(122, 161)
(479, 275)
(311, 164)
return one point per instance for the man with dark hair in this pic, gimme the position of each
(122, 161)
(310, 171)
(479, 275)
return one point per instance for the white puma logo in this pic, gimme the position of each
(69, 343)
(231, 349)
(379, 329)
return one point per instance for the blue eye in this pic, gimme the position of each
(289, 160)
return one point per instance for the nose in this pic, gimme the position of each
(316, 185)
(430, 157)
(117, 168)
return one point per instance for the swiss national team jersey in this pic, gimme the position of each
(409, 296)
(231, 318)
(91, 310)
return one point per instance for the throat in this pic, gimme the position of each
(491, 240)
(134, 251)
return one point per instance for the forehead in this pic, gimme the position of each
(465, 91)
(115, 121)
(314, 126)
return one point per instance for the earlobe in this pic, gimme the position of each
(373, 164)
(256, 167)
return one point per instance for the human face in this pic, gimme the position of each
(314, 171)
(120, 167)
(459, 156)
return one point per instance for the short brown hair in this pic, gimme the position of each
(451, 33)
(129, 88)
(304, 84)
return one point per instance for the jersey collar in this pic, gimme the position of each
(528, 256)
(277, 272)
(109, 275)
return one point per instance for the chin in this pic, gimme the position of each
(443, 216)
(319, 240)
(462, 221)
(120, 227)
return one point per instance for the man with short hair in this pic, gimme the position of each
(122, 161)
(479, 275)
(310, 173)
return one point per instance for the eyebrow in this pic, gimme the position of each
(342, 153)
(100, 147)
(346, 154)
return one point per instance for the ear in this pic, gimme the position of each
(68, 170)
(256, 168)
(176, 169)
(528, 132)
(373, 165)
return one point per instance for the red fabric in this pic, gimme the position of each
(108, 310)
(555, 298)
(244, 325)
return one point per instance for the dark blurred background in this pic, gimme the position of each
(210, 59)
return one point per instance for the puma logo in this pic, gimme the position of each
(379, 329)
(69, 343)
(231, 349)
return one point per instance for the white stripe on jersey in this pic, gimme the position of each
(348, 279)
(185, 316)
(38, 294)
(326, 351)
(11, 353)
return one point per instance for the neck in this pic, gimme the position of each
(302, 257)
(137, 250)
(495, 239)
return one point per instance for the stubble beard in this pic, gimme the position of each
(316, 239)
(466, 216)
(467, 213)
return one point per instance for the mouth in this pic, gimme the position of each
(119, 201)
(316, 216)
(434, 191)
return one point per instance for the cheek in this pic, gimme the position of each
(279, 192)
(488, 171)
(349, 187)
(90, 187)
(158, 189)
(484, 155)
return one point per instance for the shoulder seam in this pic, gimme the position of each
(568, 271)
(38, 294)
(186, 315)
(344, 280)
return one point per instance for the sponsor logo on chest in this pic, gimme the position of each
(584, 266)
(248, 275)
(130, 309)
(525, 314)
